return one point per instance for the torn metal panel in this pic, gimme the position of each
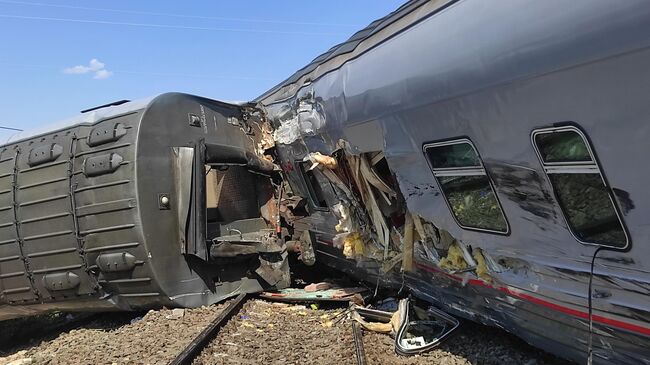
(304, 118)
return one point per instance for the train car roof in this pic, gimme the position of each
(88, 118)
(373, 34)
(569, 41)
(94, 115)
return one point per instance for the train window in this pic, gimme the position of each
(580, 189)
(466, 186)
(315, 189)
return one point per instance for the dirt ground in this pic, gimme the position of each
(261, 333)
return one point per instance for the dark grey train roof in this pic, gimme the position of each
(88, 118)
(407, 14)
(92, 117)
(412, 13)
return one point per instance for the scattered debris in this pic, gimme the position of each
(177, 313)
(317, 159)
(415, 330)
(318, 287)
(256, 334)
(422, 330)
(377, 321)
(294, 295)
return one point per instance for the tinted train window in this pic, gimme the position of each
(466, 186)
(315, 189)
(579, 186)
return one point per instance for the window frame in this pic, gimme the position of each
(310, 188)
(578, 167)
(469, 171)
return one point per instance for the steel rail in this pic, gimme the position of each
(195, 347)
(358, 343)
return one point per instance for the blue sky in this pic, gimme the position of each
(229, 50)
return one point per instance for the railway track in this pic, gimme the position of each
(251, 331)
(198, 344)
(195, 347)
(358, 344)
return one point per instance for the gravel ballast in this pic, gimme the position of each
(261, 333)
(274, 333)
(156, 338)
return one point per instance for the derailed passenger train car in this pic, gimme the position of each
(491, 156)
(145, 204)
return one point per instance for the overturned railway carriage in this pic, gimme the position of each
(492, 156)
(136, 206)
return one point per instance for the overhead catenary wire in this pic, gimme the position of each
(11, 129)
(188, 16)
(165, 26)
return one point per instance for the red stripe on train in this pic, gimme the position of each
(570, 311)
